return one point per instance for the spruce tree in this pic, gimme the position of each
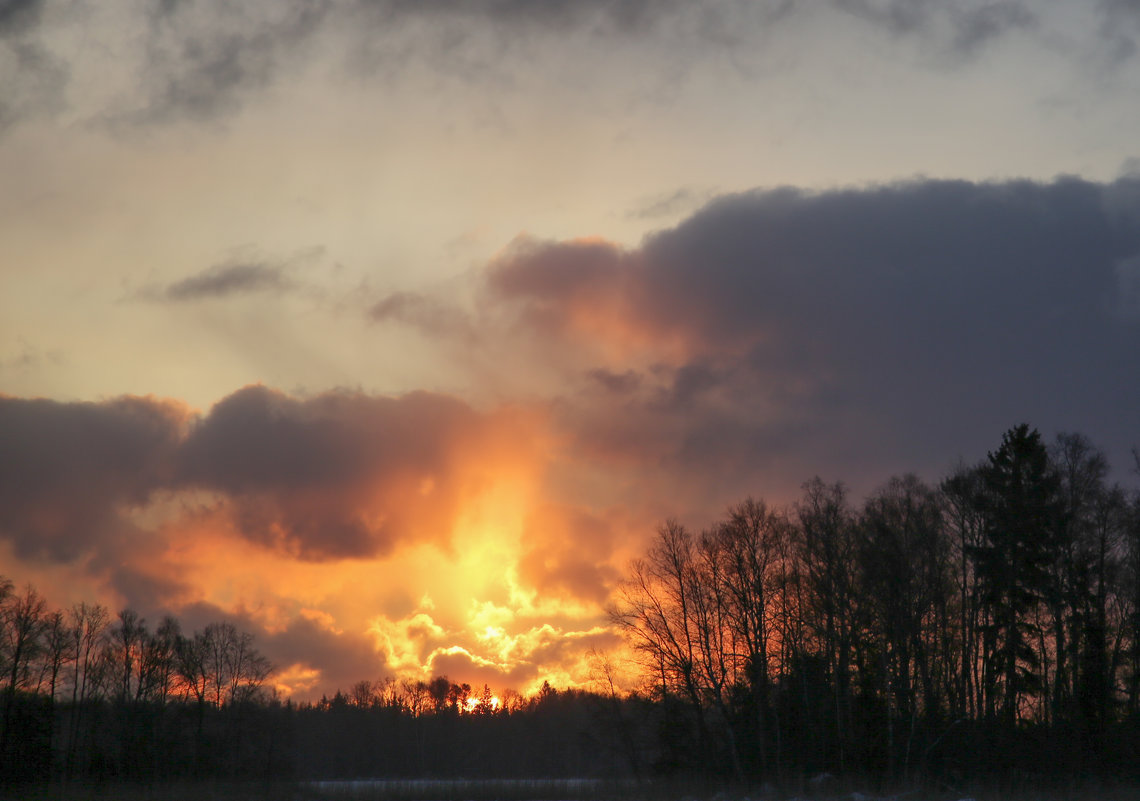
(1022, 508)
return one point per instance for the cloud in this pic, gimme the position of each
(1120, 26)
(670, 204)
(341, 474)
(71, 472)
(976, 27)
(305, 645)
(33, 78)
(884, 328)
(961, 28)
(207, 62)
(618, 383)
(567, 551)
(278, 513)
(543, 652)
(227, 279)
(428, 314)
(567, 288)
(204, 60)
(244, 273)
(338, 475)
(17, 16)
(26, 356)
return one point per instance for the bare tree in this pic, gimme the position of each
(748, 544)
(905, 583)
(23, 623)
(962, 500)
(219, 665)
(56, 652)
(190, 655)
(125, 647)
(158, 663)
(674, 609)
(827, 550)
(413, 695)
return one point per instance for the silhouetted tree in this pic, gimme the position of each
(660, 612)
(904, 582)
(1023, 524)
(748, 545)
(124, 656)
(962, 494)
(827, 552)
(23, 623)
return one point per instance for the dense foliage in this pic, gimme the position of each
(983, 628)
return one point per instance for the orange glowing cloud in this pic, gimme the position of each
(356, 536)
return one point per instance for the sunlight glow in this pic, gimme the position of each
(294, 679)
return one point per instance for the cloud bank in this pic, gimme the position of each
(859, 331)
(205, 62)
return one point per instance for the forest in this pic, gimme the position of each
(984, 630)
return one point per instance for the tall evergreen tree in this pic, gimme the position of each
(1023, 511)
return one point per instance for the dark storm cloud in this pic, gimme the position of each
(338, 475)
(886, 328)
(224, 280)
(258, 438)
(68, 471)
(1019, 258)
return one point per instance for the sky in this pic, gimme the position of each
(391, 330)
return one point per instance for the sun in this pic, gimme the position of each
(474, 704)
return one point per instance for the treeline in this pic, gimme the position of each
(980, 629)
(442, 729)
(985, 627)
(87, 695)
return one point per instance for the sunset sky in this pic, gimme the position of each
(390, 330)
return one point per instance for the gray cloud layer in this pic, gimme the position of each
(204, 61)
(33, 78)
(879, 329)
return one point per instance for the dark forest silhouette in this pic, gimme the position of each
(986, 629)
